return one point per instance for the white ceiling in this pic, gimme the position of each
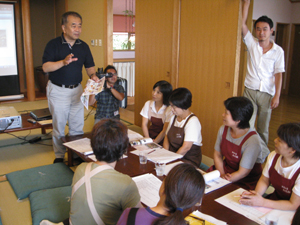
(120, 5)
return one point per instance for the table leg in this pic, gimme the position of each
(70, 157)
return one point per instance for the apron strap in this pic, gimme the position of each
(92, 173)
(132, 216)
(87, 180)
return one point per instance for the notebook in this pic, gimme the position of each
(41, 114)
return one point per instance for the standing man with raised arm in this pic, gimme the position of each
(265, 65)
(63, 59)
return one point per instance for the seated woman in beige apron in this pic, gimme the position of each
(99, 193)
(158, 112)
(184, 130)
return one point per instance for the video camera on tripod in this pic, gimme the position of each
(100, 74)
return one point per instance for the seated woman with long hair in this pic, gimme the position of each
(184, 130)
(180, 191)
(158, 112)
(238, 149)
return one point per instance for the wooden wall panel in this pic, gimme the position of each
(209, 33)
(153, 54)
(93, 27)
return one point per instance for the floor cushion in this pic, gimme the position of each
(50, 204)
(26, 181)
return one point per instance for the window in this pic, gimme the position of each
(123, 41)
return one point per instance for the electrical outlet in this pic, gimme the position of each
(100, 42)
(96, 42)
(92, 42)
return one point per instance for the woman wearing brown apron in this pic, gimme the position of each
(238, 152)
(158, 112)
(282, 170)
(184, 130)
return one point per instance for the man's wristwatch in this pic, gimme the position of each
(111, 87)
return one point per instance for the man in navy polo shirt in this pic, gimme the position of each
(63, 59)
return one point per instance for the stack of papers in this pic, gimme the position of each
(160, 155)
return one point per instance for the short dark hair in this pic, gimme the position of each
(165, 88)
(183, 188)
(241, 109)
(110, 67)
(64, 18)
(264, 19)
(181, 98)
(109, 140)
(290, 134)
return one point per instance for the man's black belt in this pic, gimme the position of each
(66, 86)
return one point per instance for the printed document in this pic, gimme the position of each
(257, 214)
(148, 186)
(91, 88)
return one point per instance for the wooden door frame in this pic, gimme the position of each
(290, 55)
(285, 46)
(108, 33)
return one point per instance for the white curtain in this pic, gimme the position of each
(127, 70)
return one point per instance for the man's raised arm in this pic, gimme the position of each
(245, 9)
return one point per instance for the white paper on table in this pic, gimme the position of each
(93, 157)
(160, 155)
(170, 166)
(134, 136)
(213, 181)
(45, 122)
(82, 145)
(208, 218)
(257, 214)
(148, 186)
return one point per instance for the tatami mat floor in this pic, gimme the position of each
(15, 154)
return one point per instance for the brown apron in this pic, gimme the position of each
(283, 186)
(157, 123)
(233, 156)
(176, 139)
